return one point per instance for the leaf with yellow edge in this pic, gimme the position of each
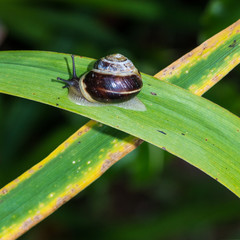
(59, 177)
(74, 165)
(207, 64)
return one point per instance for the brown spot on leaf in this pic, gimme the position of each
(107, 164)
(27, 224)
(38, 218)
(204, 46)
(114, 157)
(4, 191)
(73, 190)
(66, 144)
(163, 148)
(84, 130)
(31, 171)
(153, 93)
(16, 180)
(62, 200)
(135, 143)
(183, 58)
(206, 139)
(30, 222)
(215, 79)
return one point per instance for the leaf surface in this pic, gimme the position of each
(190, 127)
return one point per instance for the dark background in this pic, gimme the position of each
(149, 194)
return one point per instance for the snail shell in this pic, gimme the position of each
(114, 80)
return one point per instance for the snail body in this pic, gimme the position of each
(114, 80)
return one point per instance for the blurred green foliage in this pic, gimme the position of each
(149, 194)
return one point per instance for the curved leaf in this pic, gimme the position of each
(120, 141)
(60, 176)
(186, 125)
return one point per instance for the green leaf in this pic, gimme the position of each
(186, 125)
(205, 65)
(66, 171)
(191, 127)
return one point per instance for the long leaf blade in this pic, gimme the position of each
(33, 219)
(207, 64)
(175, 119)
(60, 176)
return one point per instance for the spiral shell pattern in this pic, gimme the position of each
(114, 79)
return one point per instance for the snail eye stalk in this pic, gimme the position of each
(74, 67)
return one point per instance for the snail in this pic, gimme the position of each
(114, 81)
